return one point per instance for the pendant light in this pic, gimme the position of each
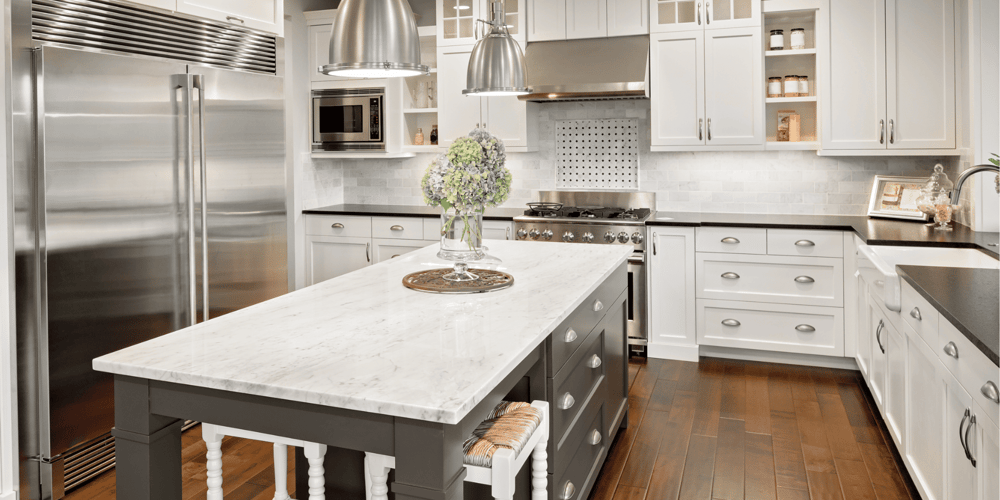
(496, 66)
(374, 39)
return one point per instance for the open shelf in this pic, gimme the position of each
(420, 110)
(791, 146)
(789, 53)
(786, 100)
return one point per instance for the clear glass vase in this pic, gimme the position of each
(461, 242)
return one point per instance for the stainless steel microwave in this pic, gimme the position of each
(348, 119)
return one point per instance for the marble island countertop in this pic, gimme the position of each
(364, 342)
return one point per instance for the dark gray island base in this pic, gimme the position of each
(149, 414)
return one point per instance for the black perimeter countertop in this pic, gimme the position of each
(967, 298)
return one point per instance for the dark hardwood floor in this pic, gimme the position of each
(714, 430)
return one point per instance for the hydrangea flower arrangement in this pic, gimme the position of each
(470, 177)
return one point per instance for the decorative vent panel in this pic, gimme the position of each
(597, 154)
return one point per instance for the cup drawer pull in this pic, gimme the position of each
(730, 322)
(337, 225)
(951, 349)
(594, 361)
(570, 336)
(730, 240)
(568, 491)
(598, 305)
(915, 314)
(805, 328)
(396, 227)
(595, 437)
(567, 401)
(731, 276)
(989, 390)
(804, 243)
(804, 279)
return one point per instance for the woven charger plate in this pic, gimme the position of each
(433, 282)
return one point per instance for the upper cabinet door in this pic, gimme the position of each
(734, 111)
(507, 118)
(546, 20)
(676, 15)
(319, 52)
(854, 114)
(586, 18)
(516, 19)
(921, 68)
(677, 79)
(732, 13)
(456, 21)
(458, 113)
(265, 15)
(628, 17)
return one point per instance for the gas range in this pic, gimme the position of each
(588, 224)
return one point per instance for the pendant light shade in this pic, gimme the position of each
(496, 66)
(374, 39)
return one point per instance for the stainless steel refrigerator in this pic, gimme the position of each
(155, 194)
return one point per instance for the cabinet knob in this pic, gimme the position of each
(396, 227)
(594, 361)
(951, 349)
(598, 305)
(730, 322)
(805, 328)
(804, 279)
(570, 336)
(568, 491)
(731, 276)
(595, 437)
(337, 225)
(915, 314)
(566, 402)
(989, 390)
(730, 240)
(804, 243)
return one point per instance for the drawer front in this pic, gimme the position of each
(570, 335)
(972, 368)
(432, 228)
(805, 243)
(587, 433)
(771, 327)
(404, 228)
(731, 240)
(498, 230)
(919, 314)
(572, 388)
(811, 281)
(339, 225)
(581, 472)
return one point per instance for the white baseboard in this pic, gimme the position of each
(670, 351)
(10, 495)
(779, 357)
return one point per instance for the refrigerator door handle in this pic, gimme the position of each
(185, 82)
(199, 83)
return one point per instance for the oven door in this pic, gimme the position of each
(346, 119)
(636, 299)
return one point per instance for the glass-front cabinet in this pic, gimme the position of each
(456, 20)
(684, 15)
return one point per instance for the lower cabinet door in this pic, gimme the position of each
(498, 230)
(386, 249)
(959, 470)
(926, 433)
(895, 385)
(672, 290)
(988, 462)
(864, 343)
(330, 256)
(876, 328)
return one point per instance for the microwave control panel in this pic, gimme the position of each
(375, 127)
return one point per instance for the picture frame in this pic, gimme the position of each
(895, 197)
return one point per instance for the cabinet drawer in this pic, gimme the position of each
(805, 243)
(563, 343)
(731, 240)
(811, 281)
(771, 327)
(573, 387)
(582, 435)
(582, 469)
(919, 314)
(432, 228)
(972, 368)
(497, 230)
(404, 228)
(339, 225)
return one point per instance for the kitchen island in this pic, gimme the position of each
(361, 363)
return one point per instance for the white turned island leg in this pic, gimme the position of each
(317, 482)
(281, 472)
(213, 441)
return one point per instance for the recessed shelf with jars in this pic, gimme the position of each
(792, 72)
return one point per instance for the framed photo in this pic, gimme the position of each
(895, 197)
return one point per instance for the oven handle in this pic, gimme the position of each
(637, 259)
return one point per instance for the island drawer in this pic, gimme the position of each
(581, 457)
(919, 314)
(574, 330)
(805, 243)
(339, 225)
(813, 281)
(771, 327)
(405, 228)
(572, 389)
(971, 367)
(731, 240)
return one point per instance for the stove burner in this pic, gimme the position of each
(595, 213)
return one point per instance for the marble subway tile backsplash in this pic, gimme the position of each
(792, 182)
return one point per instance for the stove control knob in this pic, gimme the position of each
(533, 233)
(609, 237)
(636, 238)
(587, 237)
(568, 236)
(623, 237)
(522, 234)
(547, 234)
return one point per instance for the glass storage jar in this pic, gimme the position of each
(774, 85)
(803, 86)
(791, 86)
(777, 40)
(798, 39)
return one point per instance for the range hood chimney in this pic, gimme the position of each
(590, 69)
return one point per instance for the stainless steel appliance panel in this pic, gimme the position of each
(245, 165)
(112, 189)
(636, 300)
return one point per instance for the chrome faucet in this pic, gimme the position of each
(956, 195)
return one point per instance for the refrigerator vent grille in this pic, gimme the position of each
(88, 461)
(102, 25)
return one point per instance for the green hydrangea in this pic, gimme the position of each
(471, 176)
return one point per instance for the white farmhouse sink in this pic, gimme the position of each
(878, 265)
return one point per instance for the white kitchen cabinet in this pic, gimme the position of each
(707, 89)
(389, 248)
(628, 17)
(319, 52)
(586, 19)
(927, 388)
(264, 15)
(988, 461)
(891, 77)
(672, 325)
(960, 473)
(876, 336)
(863, 356)
(685, 15)
(456, 20)
(331, 256)
(541, 20)
(497, 230)
(895, 385)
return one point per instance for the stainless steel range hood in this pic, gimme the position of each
(591, 69)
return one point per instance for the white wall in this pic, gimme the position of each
(8, 360)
